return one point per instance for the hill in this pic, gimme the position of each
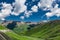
(48, 31)
(7, 34)
(15, 36)
(43, 31)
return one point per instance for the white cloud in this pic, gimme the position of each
(28, 13)
(19, 7)
(39, 4)
(34, 8)
(56, 6)
(5, 11)
(22, 17)
(58, 14)
(3, 19)
(45, 4)
(13, 13)
(54, 11)
(49, 14)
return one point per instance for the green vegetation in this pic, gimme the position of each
(42, 31)
(21, 29)
(15, 36)
(2, 27)
(47, 31)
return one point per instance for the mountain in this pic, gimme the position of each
(15, 36)
(8, 34)
(49, 30)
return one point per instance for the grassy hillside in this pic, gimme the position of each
(21, 29)
(15, 36)
(2, 27)
(48, 31)
(42, 31)
(10, 35)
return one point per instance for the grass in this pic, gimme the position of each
(47, 31)
(15, 36)
(2, 27)
(21, 29)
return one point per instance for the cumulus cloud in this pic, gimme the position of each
(54, 12)
(49, 14)
(22, 17)
(5, 11)
(39, 4)
(3, 19)
(34, 8)
(47, 5)
(28, 13)
(19, 7)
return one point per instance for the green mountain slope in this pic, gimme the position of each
(2, 27)
(15, 36)
(48, 31)
(10, 35)
(43, 31)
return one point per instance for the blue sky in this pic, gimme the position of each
(35, 17)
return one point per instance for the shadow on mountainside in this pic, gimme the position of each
(11, 25)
